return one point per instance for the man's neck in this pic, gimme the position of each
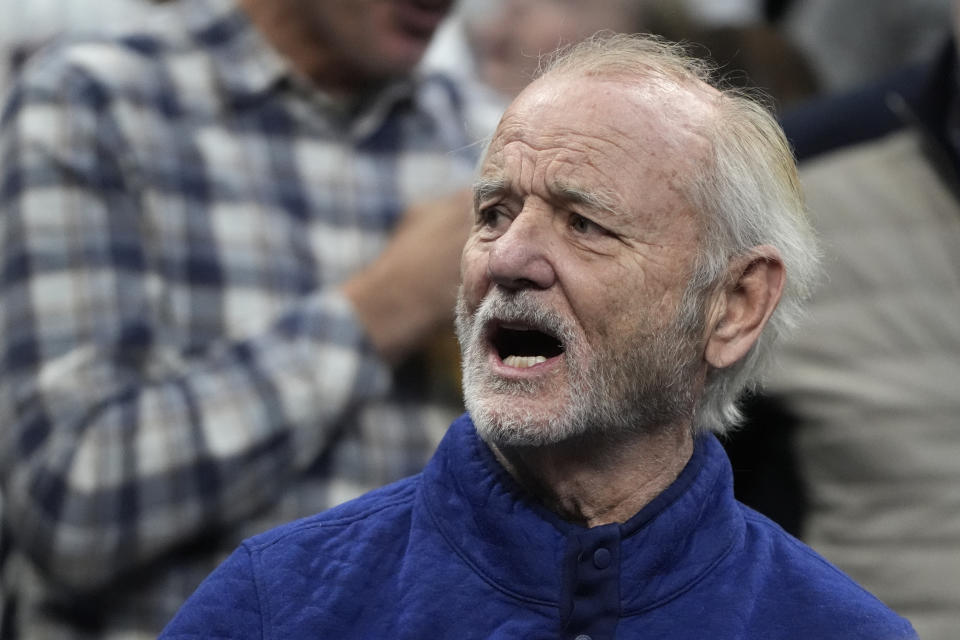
(600, 483)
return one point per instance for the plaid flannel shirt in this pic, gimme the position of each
(179, 370)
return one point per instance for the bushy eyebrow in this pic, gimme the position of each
(487, 187)
(484, 188)
(590, 198)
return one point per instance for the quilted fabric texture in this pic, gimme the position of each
(460, 552)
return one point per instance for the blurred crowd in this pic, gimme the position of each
(855, 446)
(838, 45)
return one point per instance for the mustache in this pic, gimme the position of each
(516, 307)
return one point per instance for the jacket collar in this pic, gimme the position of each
(519, 546)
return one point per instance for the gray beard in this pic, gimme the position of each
(638, 383)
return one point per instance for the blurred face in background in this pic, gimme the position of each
(508, 36)
(369, 41)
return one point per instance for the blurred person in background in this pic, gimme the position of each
(853, 43)
(750, 52)
(870, 383)
(507, 43)
(26, 26)
(846, 43)
(215, 292)
(495, 46)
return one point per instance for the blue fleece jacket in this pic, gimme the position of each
(460, 551)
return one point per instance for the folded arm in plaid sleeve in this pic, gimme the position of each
(178, 211)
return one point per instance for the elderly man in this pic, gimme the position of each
(634, 231)
(213, 309)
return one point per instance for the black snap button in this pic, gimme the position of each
(601, 558)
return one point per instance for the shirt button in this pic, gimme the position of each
(583, 636)
(601, 558)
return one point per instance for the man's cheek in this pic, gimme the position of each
(474, 280)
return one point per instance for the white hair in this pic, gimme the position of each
(747, 195)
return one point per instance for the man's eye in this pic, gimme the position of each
(490, 217)
(584, 225)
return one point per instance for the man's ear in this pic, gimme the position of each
(740, 310)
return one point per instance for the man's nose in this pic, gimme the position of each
(520, 258)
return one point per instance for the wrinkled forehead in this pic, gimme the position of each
(604, 124)
(629, 112)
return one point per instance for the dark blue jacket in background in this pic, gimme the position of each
(460, 552)
(920, 95)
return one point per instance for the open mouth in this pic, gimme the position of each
(522, 346)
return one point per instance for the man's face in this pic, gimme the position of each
(509, 37)
(374, 40)
(579, 256)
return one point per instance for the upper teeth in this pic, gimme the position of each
(523, 362)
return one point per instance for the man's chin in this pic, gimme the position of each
(504, 423)
(509, 434)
